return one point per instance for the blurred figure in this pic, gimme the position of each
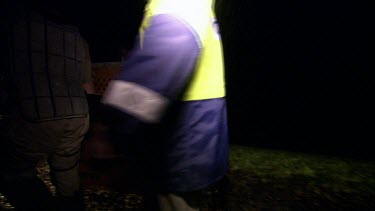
(45, 66)
(168, 102)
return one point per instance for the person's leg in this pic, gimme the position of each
(25, 191)
(21, 150)
(174, 202)
(64, 163)
(214, 196)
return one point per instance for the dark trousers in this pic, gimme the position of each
(25, 145)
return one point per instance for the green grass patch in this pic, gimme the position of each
(283, 180)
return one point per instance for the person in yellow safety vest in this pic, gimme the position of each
(169, 101)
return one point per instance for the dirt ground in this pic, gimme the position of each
(245, 192)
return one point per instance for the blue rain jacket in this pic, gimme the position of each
(187, 147)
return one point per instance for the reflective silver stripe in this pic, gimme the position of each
(136, 100)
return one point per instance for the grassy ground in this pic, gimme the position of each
(262, 179)
(279, 180)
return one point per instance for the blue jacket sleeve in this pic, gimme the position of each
(162, 62)
(164, 58)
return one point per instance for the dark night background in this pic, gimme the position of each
(298, 72)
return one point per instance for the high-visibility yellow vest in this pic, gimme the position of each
(208, 79)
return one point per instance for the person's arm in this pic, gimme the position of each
(155, 73)
(87, 82)
(89, 87)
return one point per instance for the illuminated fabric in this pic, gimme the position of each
(136, 100)
(163, 65)
(208, 78)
